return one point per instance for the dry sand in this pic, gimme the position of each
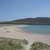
(12, 31)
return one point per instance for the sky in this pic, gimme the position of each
(17, 9)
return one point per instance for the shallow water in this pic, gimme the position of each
(38, 29)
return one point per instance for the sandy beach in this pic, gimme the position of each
(12, 31)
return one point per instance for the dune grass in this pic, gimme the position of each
(12, 44)
(40, 46)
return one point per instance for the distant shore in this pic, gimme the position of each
(29, 21)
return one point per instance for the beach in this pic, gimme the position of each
(11, 31)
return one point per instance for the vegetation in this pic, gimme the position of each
(19, 44)
(40, 46)
(12, 44)
(30, 21)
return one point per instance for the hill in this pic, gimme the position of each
(30, 21)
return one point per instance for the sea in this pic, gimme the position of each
(35, 29)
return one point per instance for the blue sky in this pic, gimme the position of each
(16, 9)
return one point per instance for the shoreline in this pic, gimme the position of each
(16, 33)
(13, 31)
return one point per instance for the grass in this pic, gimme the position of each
(12, 44)
(40, 46)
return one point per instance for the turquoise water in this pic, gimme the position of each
(40, 29)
